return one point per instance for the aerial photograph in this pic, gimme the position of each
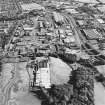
(52, 52)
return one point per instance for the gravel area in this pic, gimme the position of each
(60, 71)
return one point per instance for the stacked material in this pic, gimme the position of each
(83, 86)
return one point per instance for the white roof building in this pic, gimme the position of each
(27, 27)
(70, 34)
(58, 17)
(86, 1)
(61, 31)
(70, 10)
(31, 6)
(71, 51)
(81, 22)
(43, 77)
(100, 21)
(69, 39)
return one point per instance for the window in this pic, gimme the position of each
(43, 64)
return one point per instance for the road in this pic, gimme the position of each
(15, 25)
(73, 26)
(9, 84)
(22, 96)
(99, 88)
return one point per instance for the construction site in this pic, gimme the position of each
(52, 52)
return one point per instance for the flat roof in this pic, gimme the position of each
(71, 10)
(100, 20)
(57, 16)
(92, 33)
(86, 1)
(31, 6)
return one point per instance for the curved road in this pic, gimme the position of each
(9, 85)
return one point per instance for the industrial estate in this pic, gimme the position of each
(52, 52)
